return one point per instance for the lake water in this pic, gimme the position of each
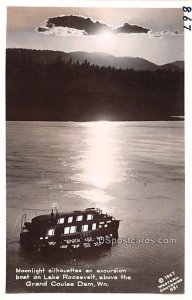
(131, 170)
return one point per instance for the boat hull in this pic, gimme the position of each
(71, 242)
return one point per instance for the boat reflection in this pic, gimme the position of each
(86, 255)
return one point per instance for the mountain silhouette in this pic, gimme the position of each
(96, 58)
(174, 66)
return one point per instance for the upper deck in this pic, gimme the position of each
(74, 222)
(70, 217)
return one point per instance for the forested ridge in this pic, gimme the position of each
(60, 90)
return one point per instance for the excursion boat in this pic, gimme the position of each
(68, 231)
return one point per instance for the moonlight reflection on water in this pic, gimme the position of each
(99, 164)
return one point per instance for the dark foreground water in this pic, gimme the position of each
(132, 170)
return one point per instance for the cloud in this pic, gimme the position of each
(177, 33)
(60, 31)
(42, 29)
(128, 28)
(165, 32)
(156, 35)
(79, 25)
(85, 26)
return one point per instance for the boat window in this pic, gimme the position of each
(66, 230)
(51, 231)
(94, 226)
(106, 225)
(85, 227)
(70, 219)
(60, 221)
(108, 221)
(79, 218)
(89, 217)
(73, 229)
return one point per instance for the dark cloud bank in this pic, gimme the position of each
(127, 28)
(88, 26)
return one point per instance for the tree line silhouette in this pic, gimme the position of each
(61, 90)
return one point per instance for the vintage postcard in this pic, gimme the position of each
(96, 96)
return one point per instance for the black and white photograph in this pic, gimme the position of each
(95, 162)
